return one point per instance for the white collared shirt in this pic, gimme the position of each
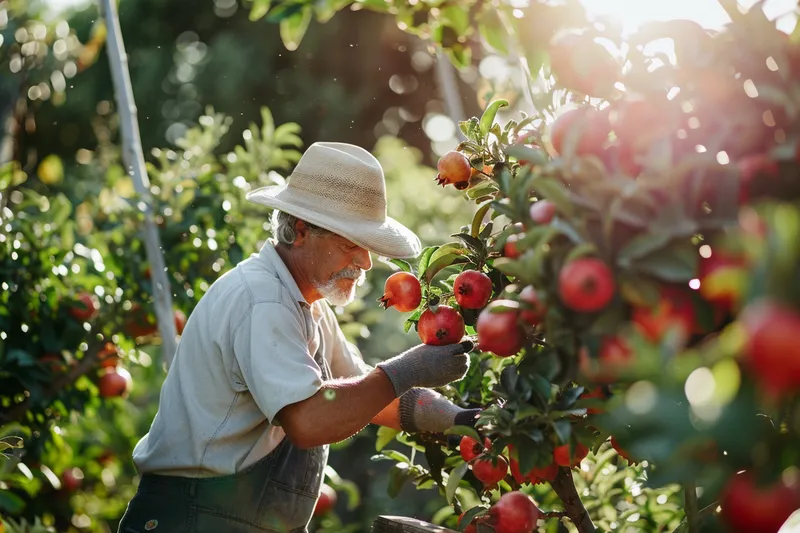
(246, 352)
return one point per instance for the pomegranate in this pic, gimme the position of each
(454, 168)
(470, 448)
(640, 122)
(598, 393)
(115, 381)
(535, 475)
(542, 212)
(401, 291)
(108, 355)
(772, 350)
(53, 362)
(180, 321)
(674, 309)
(586, 285)
(590, 126)
(562, 457)
(472, 289)
(498, 330)
(514, 512)
(445, 326)
(533, 308)
(87, 307)
(615, 354)
(326, 501)
(582, 65)
(748, 507)
(490, 470)
(140, 323)
(72, 479)
(510, 248)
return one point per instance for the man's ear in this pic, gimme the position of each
(301, 233)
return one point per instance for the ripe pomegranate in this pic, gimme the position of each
(115, 381)
(53, 362)
(470, 448)
(108, 355)
(87, 307)
(542, 212)
(621, 451)
(719, 277)
(139, 323)
(582, 65)
(590, 126)
(326, 501)
(472, 289)
(772, 350)
(535, 475)
(454, 168)
(615, 354)
(71, 479)
(180, 321)
(401, 291)
(445, 326)
(562, 457)
(510, 248)
(586, 285)
(674, 310)
(596, 392)
(514, 512)
(640, 122)
(499, 331)
(533, 309)
(490, 470)
(748, 507)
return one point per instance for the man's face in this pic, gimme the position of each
(336, 266)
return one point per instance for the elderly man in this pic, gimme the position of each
(264, 380)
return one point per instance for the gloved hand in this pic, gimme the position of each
(427, 410)
(427, 366)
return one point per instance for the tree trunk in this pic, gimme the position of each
(134, 161)
(564, 486)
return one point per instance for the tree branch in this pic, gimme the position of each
(16, 412)
(691, 507)
(564, 486)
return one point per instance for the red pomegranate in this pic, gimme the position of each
(562, 457)
(326, 501)
(514, 512)
(772, 350)
(86, 307)
(401, 291)
(115, 381)
(586, 285)
(444, 326)
(490, 470)
(533, 308)
(472, 289)
(454, 168)
(498, 328)
(748, 507)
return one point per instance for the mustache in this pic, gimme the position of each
(349, 273)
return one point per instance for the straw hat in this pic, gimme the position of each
(340, 187)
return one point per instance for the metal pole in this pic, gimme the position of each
(134, 161)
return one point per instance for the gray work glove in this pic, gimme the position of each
(427, 366)
(427, 410)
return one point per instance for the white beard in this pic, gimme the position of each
(332, 292)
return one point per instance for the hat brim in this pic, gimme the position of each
(389, 238)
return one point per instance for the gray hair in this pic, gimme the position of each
(283, 225)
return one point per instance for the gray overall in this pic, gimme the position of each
(277, 494)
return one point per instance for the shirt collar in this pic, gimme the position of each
(269, 256)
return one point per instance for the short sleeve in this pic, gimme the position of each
(272, 351)
(344, 357)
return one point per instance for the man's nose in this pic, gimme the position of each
(362, 259)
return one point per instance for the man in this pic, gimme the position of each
(263, 379)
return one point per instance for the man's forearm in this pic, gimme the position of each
(339, 410)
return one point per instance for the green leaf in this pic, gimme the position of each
(464, 431)
(259, 9)
(11, 503)
(581, 250)
(493, 32)
(396, 456)
(478, 218)
(554, 191)
(456, 475)
(469, 516)
(442, 258)
(424, 260)
(676, 263)
(563, 429)
(642, 245)
(384, 437)
(442, 263)
(405, 266)
(293, 29)
(398, 476)
(456, 17)
(487, 119)
(529, 154)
